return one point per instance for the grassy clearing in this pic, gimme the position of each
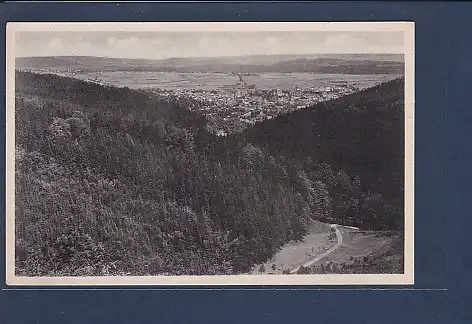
(173, 80)
(294, 253)
(363, 252)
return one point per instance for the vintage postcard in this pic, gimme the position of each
(210, 154)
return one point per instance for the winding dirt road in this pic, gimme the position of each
(324, 254)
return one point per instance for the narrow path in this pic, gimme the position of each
(324, 254)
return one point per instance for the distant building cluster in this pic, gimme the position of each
(230, 109)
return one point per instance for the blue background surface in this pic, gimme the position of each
(443, 220)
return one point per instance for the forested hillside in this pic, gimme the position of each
(113, 181)
(117, 181)
(355, 145)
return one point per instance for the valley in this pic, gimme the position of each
(119, 181)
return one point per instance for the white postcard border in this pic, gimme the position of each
(407, 278)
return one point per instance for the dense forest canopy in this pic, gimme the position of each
(118, 181)
(362, 134)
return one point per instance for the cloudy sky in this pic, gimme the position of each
(158, 45)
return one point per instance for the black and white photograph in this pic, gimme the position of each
(210, 153)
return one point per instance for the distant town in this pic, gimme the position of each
(232, 108)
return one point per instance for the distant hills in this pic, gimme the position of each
(85, 63)
(329, 64)
(273, 59)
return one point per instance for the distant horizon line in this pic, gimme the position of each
(209, 57)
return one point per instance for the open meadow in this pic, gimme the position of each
(175, 80)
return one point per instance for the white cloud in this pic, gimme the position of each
(155, 46)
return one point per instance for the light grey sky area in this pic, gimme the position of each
(161, 45)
